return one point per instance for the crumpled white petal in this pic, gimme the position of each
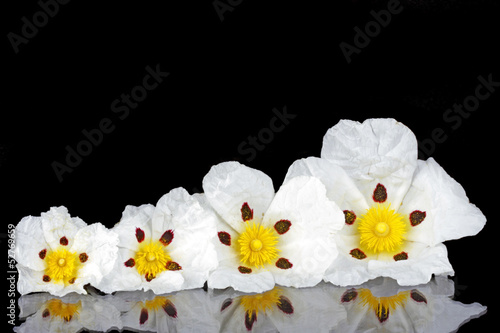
(228, 185)
(309, 243)
(449, 214)
(375, 151)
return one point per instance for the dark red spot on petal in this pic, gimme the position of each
(250, 319)
(349, 295)
(130, 262)
(417, 217)
(401, 256)
(68, 318)
(45, 313)
(380, 193)
(349, 216)
(72, 280)
(139, 234)
(358, 254)
(144, 316)
(42, 254)
(167, 237)
(244, 270)
(83, 257)
(283, 263)
(149, 277)
(173, 266)
(225, 304)
(63, 241)
(246, 212)
(417, 296)
(224, 238)
(282, 226)
(382, 313)
(46, 278)
(285, 305)
(170, 309)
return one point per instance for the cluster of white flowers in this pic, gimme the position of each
(367, 208)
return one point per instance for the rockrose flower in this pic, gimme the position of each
(263, 238)
(163, 249)
(60, 254)
(398, 210)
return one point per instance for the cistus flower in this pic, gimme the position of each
(59, 254)
(398, 210)
(263, 238)
(164, 248)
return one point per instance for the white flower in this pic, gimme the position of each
(164, 249)
(265, 238)
(71, 313)
(382, 304)
(398, 210)
(59, 254)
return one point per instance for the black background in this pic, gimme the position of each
(226, 77)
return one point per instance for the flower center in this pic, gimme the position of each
(382, 229)
(151, 259)
(258, 245)
(62, 265)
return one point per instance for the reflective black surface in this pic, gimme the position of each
(380, 304)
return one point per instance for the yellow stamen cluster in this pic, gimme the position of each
(62, 265)
(151, 259)
(257, 245)
(382, 229)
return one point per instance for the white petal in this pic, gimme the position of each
(376, 151)
(57, 223)
(29, 243)
(101, 247)
(193, 228)
(339, 186)
(227, 275)
(133, 218)
(229, 185)
(165, 282)
(422, 263)
(449, 214)
(308, 244)
(121, 277)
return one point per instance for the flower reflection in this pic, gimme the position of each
(378, 305)
(279, 310)
(70, 313)
(383, 305)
